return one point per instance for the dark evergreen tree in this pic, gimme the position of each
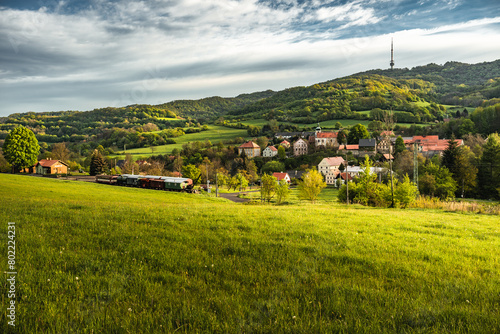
(399, 146)
(450, 155)
(98, 164)
(488, 176)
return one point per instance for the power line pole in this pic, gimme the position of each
(415, 164)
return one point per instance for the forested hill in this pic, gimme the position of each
(456, 83)
(212, 107)
(417, 95)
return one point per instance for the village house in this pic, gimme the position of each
(300, 147)
(270, 152)
(251, 149)
(47, 167)
(368, 146)
(354, 149)
(282, 176)
(285, 144)
(354, 171)
(326, 139)
(331, 177)
(330, 164)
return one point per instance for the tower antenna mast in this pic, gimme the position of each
(392, 54)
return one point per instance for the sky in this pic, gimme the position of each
(81, 55)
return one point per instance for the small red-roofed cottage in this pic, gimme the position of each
(251, 149)
(282, 176)
(47, 167)
(285, 144)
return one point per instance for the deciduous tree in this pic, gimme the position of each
(282, 191)
(21, 148)
(311, 185)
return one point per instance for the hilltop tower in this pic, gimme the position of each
(392, 55)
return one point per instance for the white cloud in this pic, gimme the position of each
(152, 52)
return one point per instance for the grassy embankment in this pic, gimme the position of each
(103, 259)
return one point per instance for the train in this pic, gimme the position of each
(167, 183)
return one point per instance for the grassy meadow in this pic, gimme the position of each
(214, 133)
(104, 259)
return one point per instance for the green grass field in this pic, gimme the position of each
(103, 259)
(214, 134)
(326, 124)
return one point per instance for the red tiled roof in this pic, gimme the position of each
(249, 144)
(285, 142)
(342, 175)
(351, 147)
(327, 135)
(334, 161)
(280, 176)
(388, 156)
(272, 148)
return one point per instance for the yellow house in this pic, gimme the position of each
(46, 167)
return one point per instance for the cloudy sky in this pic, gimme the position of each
(80, 55)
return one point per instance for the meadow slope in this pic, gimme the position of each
(101, 259)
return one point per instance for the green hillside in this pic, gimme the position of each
(104, 259)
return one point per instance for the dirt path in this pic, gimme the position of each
(234, 196)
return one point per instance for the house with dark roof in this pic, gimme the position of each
(368, 145)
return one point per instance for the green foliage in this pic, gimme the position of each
(281, 153)
(273, 167)
(242, 181)
(486, 120)
(489, 168)
(366, 190)
(21, 148)
(98, 164)
(356, 133)
(268, 187)
(282, 191)
(436, 181)
(192, 172)
(399, 145)
(311, 185)
(405, 193)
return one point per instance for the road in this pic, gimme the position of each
(234, 196)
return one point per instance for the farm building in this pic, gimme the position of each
(47, 167)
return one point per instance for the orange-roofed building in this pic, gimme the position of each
(285, 144)
(251, 149)
(326, 139)
(282, 176)
(46, 167)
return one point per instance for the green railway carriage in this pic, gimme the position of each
(156, 182)
(178, 184)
